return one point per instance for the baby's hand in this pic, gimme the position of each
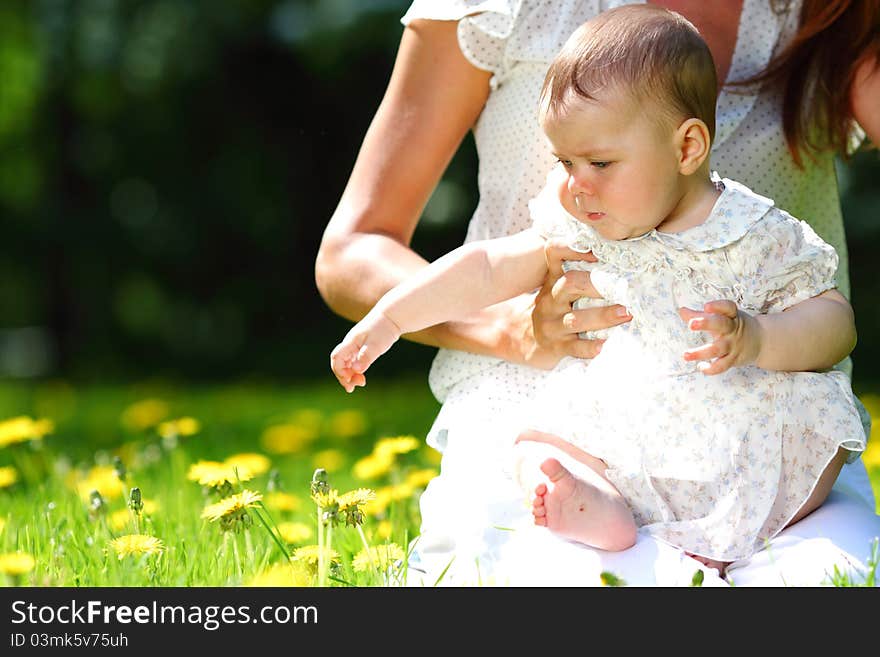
(365, 342)
(736, 336)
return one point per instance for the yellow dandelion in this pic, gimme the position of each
(379, 503)
(396, 445)
(230, 505)
(380, 557)
(327, 499)
(871, 455)
(357, 497)
(347, 424)
(103, 479)
(421, 478)
(144, 414)
(294, 532)
(182, 426)
(283, 574)
(308, 554)
(872, 404)
(431, 456)
(331, 460)
(8, 476)
(311, 418)
(287, 438)
(281, 501)
(119, 520)
(23, 428)
(373, 466)
(136, 544)
(384, 529)
(401, 492)
(216, 474)
(16, 563)
(256, 464)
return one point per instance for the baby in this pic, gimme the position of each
(709, 420)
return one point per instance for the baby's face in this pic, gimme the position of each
(622, 175)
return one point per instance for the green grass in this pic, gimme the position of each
(44, 515)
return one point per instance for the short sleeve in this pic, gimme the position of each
(483, 29)
(782, 261)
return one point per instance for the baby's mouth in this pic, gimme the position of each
(595, 216)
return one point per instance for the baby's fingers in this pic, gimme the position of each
(718, 366)
(713, 350)
(721, 307)
(715, 324)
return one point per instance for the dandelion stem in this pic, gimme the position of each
(329, 546)
(320, 546)
(367, 548)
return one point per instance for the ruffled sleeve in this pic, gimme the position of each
(483, 29)
(496, 35)
(782, 262)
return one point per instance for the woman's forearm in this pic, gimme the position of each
(812, 335)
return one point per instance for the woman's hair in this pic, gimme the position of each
(815, 73)
(655, 55)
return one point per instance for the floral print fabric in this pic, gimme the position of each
(713, 464)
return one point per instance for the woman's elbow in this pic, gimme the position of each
(327, 269)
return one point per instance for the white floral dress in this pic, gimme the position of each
(715, 465)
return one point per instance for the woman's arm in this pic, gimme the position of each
(433, 99)
(865, 97)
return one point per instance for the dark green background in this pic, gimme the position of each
(166, 171)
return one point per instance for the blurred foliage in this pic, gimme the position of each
(167, 169)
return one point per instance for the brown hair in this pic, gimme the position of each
(815, 73)
(654, 54)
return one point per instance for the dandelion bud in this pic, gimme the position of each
(274, 482)
(97, 505)
(135, 501)
(320, 484)
(119, 468)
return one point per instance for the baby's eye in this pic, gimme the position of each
(600, 165)
(566, 163)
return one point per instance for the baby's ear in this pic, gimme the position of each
(694, 143)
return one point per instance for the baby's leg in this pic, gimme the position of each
(817, 497)
(823, 487)
(590, 510)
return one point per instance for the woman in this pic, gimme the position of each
(479, 65)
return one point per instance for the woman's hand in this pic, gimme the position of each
(736, 336)
(555, 324)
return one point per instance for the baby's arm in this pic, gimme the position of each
(811, 335)
(463, 281)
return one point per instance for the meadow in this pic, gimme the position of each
(253, 484)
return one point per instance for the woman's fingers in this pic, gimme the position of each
(573, 285)
(585, 349)
(555, 252)
(595, 319)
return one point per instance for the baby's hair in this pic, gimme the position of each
(653, 54)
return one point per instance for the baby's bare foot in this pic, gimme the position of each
(576, 509)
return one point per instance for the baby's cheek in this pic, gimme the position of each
(567, 200)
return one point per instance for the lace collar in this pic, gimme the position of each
(735, 211)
